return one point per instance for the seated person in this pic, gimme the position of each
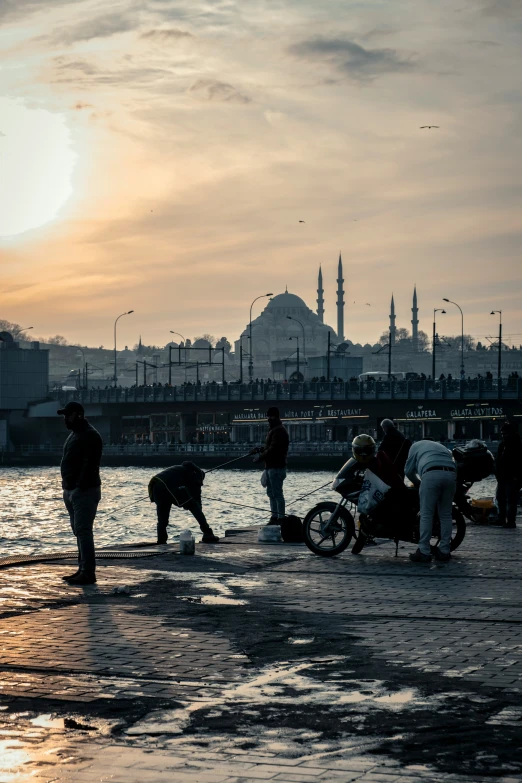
(391, 511)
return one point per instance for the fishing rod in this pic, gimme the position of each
(218, 467)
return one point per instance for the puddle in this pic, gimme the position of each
(222, 600)
(48, 722)
(301, 640)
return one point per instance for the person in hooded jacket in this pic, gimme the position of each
(180, 486)
(395, 445)
(508, 470)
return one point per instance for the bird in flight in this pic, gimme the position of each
(429, 126)
(301, 221)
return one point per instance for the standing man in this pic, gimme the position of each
(395, 445)
(508, 470)
(274, 455)
(80, 468)
(431, 466)
(180, 486)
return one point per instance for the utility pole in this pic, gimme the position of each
(170, 365)
(434, 340)
(499, 370)
(240, 361)
(297, 362)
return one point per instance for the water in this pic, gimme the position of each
(33, 518)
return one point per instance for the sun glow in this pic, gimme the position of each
(37, 162)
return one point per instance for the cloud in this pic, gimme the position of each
(508, 8)
(169, 34)
(211, 90)
(13, 9)
(99, 27)
(351, 58)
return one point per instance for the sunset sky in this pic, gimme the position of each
(158, 156)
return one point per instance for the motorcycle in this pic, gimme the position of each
(329, 527)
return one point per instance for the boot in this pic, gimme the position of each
(209, 537)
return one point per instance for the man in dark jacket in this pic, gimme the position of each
(80, 469)
(508, 470)
(274, 456)
(179, 486)
(395, 445)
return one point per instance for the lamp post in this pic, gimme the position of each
(251, 359)
(296, 338)
(170, 355)
(25, 329)
(434, 342)
(462, 371)
(499, 371)
(291, 318)
(82, 352)
(115, 322)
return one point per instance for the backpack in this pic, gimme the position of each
(292, 530)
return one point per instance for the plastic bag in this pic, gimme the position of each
(372, 493)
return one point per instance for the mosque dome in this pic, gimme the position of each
(286, 301)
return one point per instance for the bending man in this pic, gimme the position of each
(179, 486)
(431, 466)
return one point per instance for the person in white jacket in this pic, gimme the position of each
(431, 466)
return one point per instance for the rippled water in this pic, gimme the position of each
(33, 517)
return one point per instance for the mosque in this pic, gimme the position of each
(286, 317)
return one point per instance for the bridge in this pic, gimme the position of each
(475, 390)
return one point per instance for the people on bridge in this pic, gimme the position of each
(508, 470)
(274, 455)
(80, 469)
(430, 466)
(179, 486)
(395, 445)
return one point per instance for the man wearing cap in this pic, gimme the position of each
(80, 468)
(274, 456)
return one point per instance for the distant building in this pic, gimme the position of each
(24, 378)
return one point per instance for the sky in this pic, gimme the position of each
(159, 155)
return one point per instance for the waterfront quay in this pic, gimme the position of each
(252, 662)
(319, 415)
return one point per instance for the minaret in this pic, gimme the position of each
(340, 301)
(392, 322)
(415, 323)
(320, 299)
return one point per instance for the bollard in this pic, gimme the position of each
(187, 543)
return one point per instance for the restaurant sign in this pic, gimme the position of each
(477, 412)
(313, 414)
(422, 414)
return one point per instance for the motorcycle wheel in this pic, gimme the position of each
(458, 533)
(337, 540)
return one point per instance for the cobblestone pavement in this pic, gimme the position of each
(251, 662)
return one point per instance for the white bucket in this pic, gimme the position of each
(269, 534)
(187, 543)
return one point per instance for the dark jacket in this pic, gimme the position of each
(186, 477)
(508, 464)
(80, 465)
(276, 447)
(397, 448)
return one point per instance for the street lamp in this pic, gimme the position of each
(82, 353)
(434, 343)
(251, 361)
(25, 329)
(115, 322)
(291, 318)
(499, 372)
(296, 338)
(462, 372)
(179, 335)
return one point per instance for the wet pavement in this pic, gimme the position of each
(257, 662)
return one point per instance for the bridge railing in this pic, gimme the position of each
(475, 389)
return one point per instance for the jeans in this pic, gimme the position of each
(164, 502)
(437, 490)
(274, 490)
(507, 499)
(82, 506)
